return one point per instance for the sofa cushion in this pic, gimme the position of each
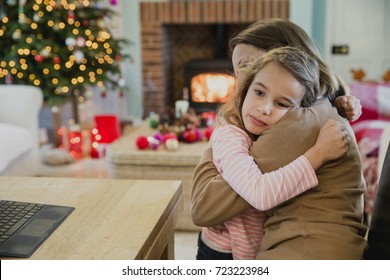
(14, 141)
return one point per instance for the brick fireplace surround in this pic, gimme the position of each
(176, 32)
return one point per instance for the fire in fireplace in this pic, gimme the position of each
(209, 83)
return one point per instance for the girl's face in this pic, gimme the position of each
(273, 92)
(242, 54)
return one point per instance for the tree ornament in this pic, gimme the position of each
(153, 143)
(56, 60)
(208, 131)
(79, 56)
(39, 58)
(122, 82)
(17, 34)
(118, 57)
(198, 133)
(36, 17)
(159, 136)
(56, 27)
(70, 41)
(170, 135)
(45, 53)
(153, 122)
(172, 144)
(22, 18)
(101, 24)
(189, 135)
(113, 2)
(142, 142)
(103, 94)
(80, 42)
(70, 15)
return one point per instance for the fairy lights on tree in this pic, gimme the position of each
(60, 46)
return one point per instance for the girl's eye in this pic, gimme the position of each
(282, 105)
(259, 92)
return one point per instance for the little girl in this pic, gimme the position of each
(282, 79)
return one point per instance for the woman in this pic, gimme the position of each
(265, 35)
(324, 223)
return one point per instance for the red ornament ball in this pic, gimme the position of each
(38, 58)
(142, 142)
(56, 60)
(189, 136)
(170, 135)
(208, 131)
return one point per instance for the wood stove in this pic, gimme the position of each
(209, 83)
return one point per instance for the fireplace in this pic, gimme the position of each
(209, 83)
(178, 40)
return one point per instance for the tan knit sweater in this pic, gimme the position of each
(322, 223)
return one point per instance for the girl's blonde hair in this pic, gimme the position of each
(301, 65)
(274, 33)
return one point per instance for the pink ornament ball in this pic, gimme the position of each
(153, 143)
(142, 142)
(159, 136)
(199, 134)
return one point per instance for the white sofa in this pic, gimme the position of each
(19, 130)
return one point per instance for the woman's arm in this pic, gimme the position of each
(262, 190)
(267, 190)
(213, 201)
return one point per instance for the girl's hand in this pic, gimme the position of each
(332, 143)
(348, 107)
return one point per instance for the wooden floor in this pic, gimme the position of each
(185, 242)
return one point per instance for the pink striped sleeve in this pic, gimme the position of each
(263, 191)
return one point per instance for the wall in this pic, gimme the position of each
(301, 14)
(129, 11)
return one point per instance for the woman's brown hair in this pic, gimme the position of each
(274, 33)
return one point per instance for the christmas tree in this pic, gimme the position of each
(61, 46)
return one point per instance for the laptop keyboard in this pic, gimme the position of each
(13, 215)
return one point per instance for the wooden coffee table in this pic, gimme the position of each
(127, 161)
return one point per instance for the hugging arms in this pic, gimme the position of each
(326, 219)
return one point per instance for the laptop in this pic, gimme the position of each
(24, 226)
